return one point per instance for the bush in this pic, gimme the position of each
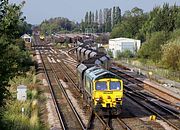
(171, 55)
(151, 49)
(109, 52)
(14, 119)
(124, 54)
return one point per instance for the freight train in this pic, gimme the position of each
(101, 89)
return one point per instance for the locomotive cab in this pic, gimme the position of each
(103, 90)
(108, 95)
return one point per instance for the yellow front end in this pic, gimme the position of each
(110, 96)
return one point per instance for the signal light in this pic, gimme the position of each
(99, 99)
(118, 99)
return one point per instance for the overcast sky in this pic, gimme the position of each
(38, 10)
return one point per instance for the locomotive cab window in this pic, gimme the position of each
(115, 85)
(101, 85)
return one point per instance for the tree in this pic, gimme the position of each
(118, 15)
(96, 17)
(161, 19)
(100, 17)
(82, 26)
(136, 12)
(171, 55)
(100, 21)
(177, 18)
(151, 49)
(90, 18)
(86, 19)
(114, 17)
(12, 58)
(105, 15)
(130, 25)
(108, 21)
(54, 25)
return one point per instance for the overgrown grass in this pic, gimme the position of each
(12, 116)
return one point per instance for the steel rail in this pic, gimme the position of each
(66, 66)
(150, 87)
(123, 124)
(52, 94)
(151, 110)
(140, 95)
(69, 101)
(67, 75)
(106, 124)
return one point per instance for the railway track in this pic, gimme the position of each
(99, 122)
(96, 122)
(142, 85)
(123, 124)
(106, 124)
(71, 117)
(67, 114)
(141, 99)
(68, 73)
(167, 115)
(49, 77)
(156, 106)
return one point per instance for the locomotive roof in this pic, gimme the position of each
(95, 73)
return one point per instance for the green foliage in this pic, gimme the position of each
(118, 55)
(177, 19)
(109, 52)
(161, 19)
(11, 114)
(102, 21)
(151, 49)
(14, 119)
(124, 54)
(128, 54)
(171, 54)
(122, 30)
(12, 59)
(175, 34)
(26, 79)
(130, 25)
(55, 25)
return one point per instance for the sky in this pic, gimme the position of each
(38, 10)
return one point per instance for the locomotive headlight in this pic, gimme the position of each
(118, 99)
(99, 99)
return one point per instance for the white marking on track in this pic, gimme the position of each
(58, 61)
(52, 59)
(49, 59)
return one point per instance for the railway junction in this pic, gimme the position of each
(145, 106)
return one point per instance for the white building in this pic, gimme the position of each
(26, 38)
(122, 44)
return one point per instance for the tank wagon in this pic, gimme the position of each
(85, 53)
(101, 89)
